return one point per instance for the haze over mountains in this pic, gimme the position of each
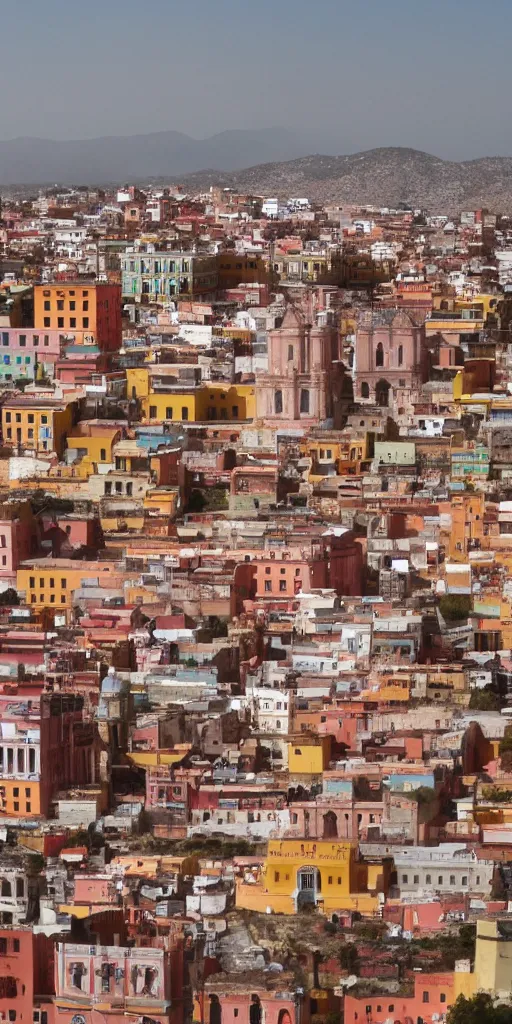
(267, 161)
(119, 158)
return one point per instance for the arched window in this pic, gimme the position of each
(304, 400)
(278, 402)
(379, 355)
(365, 389)
(400, 354)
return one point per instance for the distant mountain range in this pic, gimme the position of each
(266, 162)
(127, 158)
(386, 177)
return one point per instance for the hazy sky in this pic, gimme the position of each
(433, 74)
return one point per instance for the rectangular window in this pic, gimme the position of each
(184, 413)
(60, 304)
(85, 322)
(60, 321)
(168, 412)
(426, 997)
(152, 412)
(268, 585)
(47, 323)
(63, 584)
(23, 340)
(72, 321)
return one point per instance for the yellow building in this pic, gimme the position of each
(310, 755)
(236, 268)
(96, 448)
(326, 874)
(209, 402)
(40, 425)
(466, 528)
(303, 265)
(48, 582)
(137, 381)
(493, 962)
(336, 456)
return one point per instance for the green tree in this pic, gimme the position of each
(505, 750)
(455, 606)
(349, 958)
(484, 700)
(478, 1010)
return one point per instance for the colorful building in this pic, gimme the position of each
(328, 875)
(85, 312)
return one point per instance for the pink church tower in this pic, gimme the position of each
(389, 358)
(303, 375)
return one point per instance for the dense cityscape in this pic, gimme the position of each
(255, 610)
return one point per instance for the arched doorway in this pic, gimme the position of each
(382, 393)
(284, 1017)
(330, 825)
(308, 885)
(255, 1010)
(215, 1010)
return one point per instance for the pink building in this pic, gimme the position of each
(26, 976)
(303, 381)
(433, 994)
(128, 982)
(18, 533)
(23, 349)
(389, 357)
(235, 1004)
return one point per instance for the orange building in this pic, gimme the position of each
(89, 312)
